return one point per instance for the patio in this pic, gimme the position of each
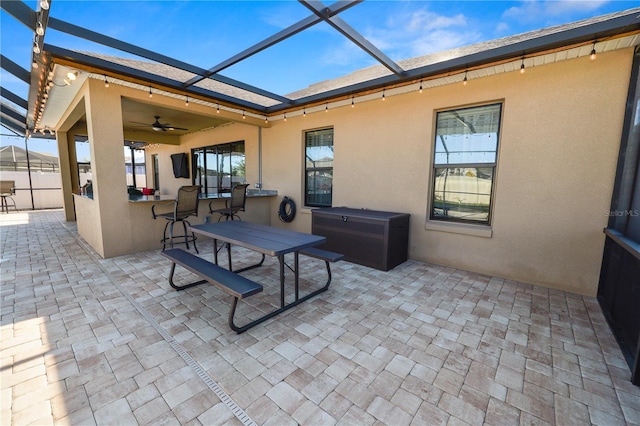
(92, 341)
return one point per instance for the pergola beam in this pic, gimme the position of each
(95, 37)
(345, 29)
(15, 69)
(9, 95)
(274, 39)
(147, 78)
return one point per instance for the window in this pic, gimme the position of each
(156, 171)
(318, 177)
(466, 150)
(218, 167)
(135, 165)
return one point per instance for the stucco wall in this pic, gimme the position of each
(560, 136)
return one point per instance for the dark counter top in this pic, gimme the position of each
(251, 193)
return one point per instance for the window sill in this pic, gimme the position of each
(459, 228)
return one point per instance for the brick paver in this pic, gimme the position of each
(86, 341)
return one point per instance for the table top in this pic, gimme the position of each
(261, 238)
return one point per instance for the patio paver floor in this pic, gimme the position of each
(86, 340)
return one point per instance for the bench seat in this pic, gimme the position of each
(230, 282)
(327, 256)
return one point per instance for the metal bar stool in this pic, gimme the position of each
(185, 205)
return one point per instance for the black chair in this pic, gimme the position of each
(185, 205)
(7, 191)
(233, 205)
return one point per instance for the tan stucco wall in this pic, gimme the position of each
(560, 137)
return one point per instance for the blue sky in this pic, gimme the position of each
(205, 33)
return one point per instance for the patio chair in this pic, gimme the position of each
(7, 191)
(233, 205)
(185, 205)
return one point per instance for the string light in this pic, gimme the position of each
(420, 86)
(266, 119)
(39, 29)
(186, 102)
(150, 94)
(326, 107)
(243, 116)
(352, 103)
(36, 48)
(593, 52)
(106, 83)
(522, 66)
(383, 96)
(464, 82)
(304, 112)
(218, 109)
(44, 4)
(285, 116)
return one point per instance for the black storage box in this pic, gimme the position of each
(371, 238)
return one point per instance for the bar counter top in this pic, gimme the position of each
(251, 193)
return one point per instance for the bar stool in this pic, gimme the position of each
(7, 191)
(185, 205)
(233, 205)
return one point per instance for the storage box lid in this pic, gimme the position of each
(352, 212)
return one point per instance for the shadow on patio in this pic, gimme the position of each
(93, 341)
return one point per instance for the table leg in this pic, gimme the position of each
(215, 251)
(229, 255)
(296, 275)
(281, 260)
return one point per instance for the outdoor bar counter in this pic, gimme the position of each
(135, 230)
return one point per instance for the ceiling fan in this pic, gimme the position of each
(160, 127)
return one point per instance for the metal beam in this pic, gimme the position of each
(147, 78)
(95, 37)
(9, 95)
(274, 39)
(15, 69)
(11, 112)
(345, 29)
(13, 125)
(627, 23)
(19, 10)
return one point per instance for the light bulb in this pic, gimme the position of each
(44, 4)
(593, 54)
(39, 29)
(36, 48)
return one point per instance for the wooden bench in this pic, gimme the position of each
(236, 285)
(326, 255)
